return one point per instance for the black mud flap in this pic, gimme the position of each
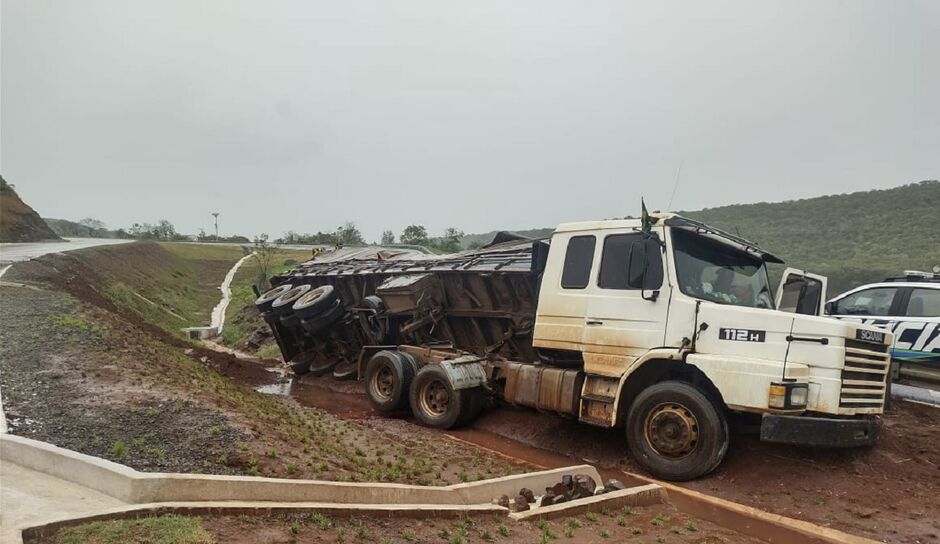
(818, 431)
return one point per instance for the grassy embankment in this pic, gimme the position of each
(170, 285)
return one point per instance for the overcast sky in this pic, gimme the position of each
(476, 114)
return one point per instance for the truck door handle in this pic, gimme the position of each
(590, 322)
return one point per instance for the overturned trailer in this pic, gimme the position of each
(324, 313)
(661, 326)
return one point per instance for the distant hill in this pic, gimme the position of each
(852, 238)
(64, 227)
(19, 222)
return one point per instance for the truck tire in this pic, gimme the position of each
(283, 303)
(676, 432)
(316, 324)
(388, 380)
(435, 402)
(315, 301)
(264, 301)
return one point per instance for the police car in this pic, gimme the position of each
(909, 306)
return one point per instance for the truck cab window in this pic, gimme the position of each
(615, 262)
(710, 270)
(578, 260)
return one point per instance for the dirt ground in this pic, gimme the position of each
(640, 525)
(659, 524)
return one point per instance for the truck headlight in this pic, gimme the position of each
(788, 396)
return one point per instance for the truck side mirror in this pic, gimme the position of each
(828, 308)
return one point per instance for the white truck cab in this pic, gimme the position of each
(686, 311)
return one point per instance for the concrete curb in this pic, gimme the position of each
(772, 528)
(644, 495)
(131, 486)
(149, 491)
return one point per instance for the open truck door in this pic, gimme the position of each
(801, 292)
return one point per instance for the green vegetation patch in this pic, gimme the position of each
(170, 285)
(169, 529)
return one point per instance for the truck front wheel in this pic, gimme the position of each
(675, 432)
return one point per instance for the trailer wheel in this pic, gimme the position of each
(675, 432)
(264, 301)
(315, 301)
(434, 400)
(316, 324)
(388, 379)
(284, 302)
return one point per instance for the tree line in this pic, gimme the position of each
(349, 234)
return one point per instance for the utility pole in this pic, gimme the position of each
(216, 216)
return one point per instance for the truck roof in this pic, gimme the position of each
(673, 220)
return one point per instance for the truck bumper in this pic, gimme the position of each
(820, 432)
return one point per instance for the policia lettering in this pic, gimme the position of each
(912, 339)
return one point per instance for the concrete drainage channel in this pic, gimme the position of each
(120, 492)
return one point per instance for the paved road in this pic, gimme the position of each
(14, 253)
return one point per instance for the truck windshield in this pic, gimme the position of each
(713, 271)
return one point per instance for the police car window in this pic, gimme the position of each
(875, 301)
(924, 303)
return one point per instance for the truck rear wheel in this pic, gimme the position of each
(436, 403)
(676, 432)
(388, 379)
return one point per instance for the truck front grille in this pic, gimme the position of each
(864, 375)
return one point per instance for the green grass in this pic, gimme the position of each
(169, 529)
(170, 285)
